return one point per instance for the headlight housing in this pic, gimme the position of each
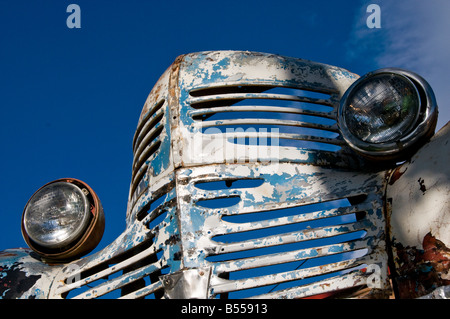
(386, 114)
(63, 220)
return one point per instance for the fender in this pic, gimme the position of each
(24, 276)
(418, 202)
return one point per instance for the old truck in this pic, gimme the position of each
(257, 176)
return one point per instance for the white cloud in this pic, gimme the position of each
(414, 35)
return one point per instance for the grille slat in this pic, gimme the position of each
(202, 114)
(147, 141)
(108, 271)
(274, 122)
(292, 237)
(291, 256)
(155, 129)
(354, 279)
(150, 289)
(150, 149)
(146, 123)
(293, 216)
(110, 280)
(234, 97)
(277, 140)
(288, 276)
(119, 282)
(245, 88)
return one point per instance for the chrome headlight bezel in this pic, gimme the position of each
(55, 213)
(422, 128)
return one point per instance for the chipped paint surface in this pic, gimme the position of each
(298, 191)
(419, 199)
(24, 276)
(219, 70)
(241, 181)
(421, 194)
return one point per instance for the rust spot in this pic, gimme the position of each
(422, 270)
(396, 174)
(437, 253)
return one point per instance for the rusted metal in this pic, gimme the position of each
(242, 182)
(421, 270)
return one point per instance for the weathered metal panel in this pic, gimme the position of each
(285, 186)
(248, 75)
(24, 276)
(418, 195)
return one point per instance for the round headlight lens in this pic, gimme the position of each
(387, 114)
(63, 220)
(383, 108)
(56, 215)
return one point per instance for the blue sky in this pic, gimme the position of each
(71, 98)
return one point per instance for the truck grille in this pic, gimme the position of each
(269, 242)
(300, 117)
(146, 145)
(290, 214)
(300, 249)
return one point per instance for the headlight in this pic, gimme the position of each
(63, 219)
(387, 113)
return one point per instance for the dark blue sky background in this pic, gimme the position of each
(70, 98)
